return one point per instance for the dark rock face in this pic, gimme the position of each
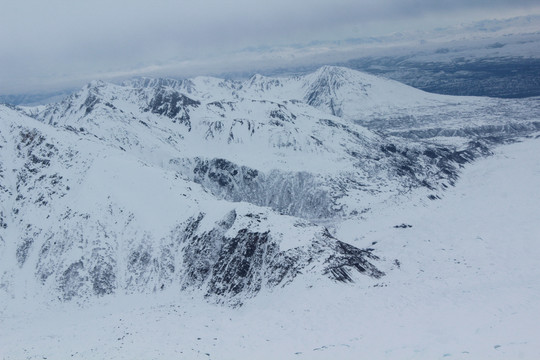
(91, 101)
(313, 196)
(103, 276)
(227, 267)
(347, 258)
(34, 176)
(233, 268)
(402, 226)
(292, 193)
(23, 249)
(282, 115)
(432, 166)
(485, 131)
(228, 262)
(172, 104)
(79, 280)
(321, 92)
(72, 281)
(239, 262)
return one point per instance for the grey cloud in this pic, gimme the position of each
(46, 44)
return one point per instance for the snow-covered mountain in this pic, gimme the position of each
(225, 190)
(375, 102)
(395, 108)
(281, 153)
(156, 182)
(81, 218)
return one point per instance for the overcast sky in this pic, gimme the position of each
(54, 44)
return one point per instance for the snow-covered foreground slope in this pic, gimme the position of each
(466, 286)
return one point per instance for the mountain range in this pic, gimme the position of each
(225, 190)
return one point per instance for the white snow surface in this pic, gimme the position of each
(467, 287)
(98, 193)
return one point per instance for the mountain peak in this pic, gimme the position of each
(259, 81)
(329, 70)
(337, 76)
(95, 84)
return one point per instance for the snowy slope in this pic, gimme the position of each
(80, 220)
(377, 103)
(343, 92)
(284, 154)
(466, 287)
(268, 194)
(119, 187)
(387, 105)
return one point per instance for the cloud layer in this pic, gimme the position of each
(57, 43)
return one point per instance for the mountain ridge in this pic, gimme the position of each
(207, 185)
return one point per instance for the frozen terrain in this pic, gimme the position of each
(467, 287)
(331, 215)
